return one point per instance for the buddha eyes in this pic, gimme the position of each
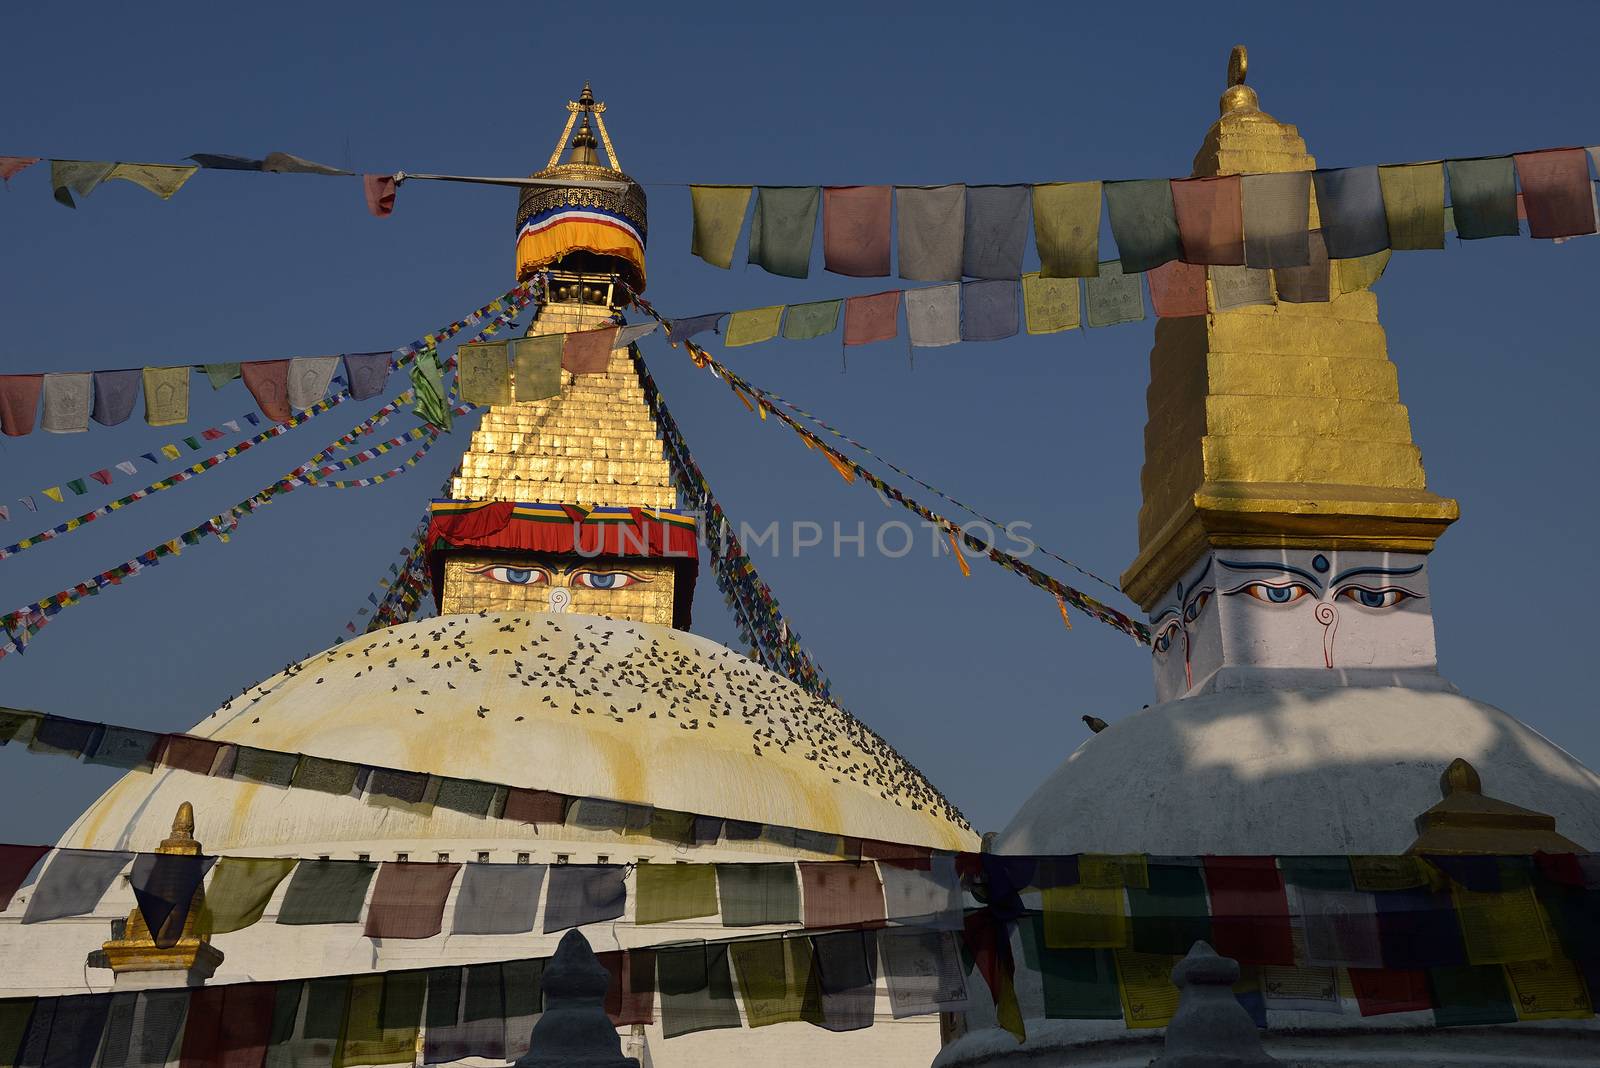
(1163, 640)
(515, 576)
(1286, 593)
(1196, 606)
(1384, 597)
(605, 580)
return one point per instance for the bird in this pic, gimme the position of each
(1096, 724)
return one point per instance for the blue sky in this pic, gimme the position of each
(975, 680)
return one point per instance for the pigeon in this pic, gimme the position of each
(1095, 723)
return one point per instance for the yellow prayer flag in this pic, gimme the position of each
(1501, 927)
(162, 179)
(718, 217)
(961, 558)
(1390, 872)
(1066, 227)
(1113, 870)
(54, 493)
(1050, 304)
(1145, 982)
(753, 325)
(170, 452)
(1085, 917)
(1548, 990)
(166, 395)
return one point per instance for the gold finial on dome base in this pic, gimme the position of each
(1467, 822)
(1238, 96)
(136, 959)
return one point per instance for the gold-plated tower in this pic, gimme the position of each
(1274, 425)
(136, 951)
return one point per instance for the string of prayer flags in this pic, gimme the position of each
(855, 231)
(783, 229)
(1277, 212)
(753, 326)
(718, 216)
(989, 309)
(875, 317)
(1144, 223)
(1557, 191)
(933, 316)
(932, 224)
(995, 231)
(1210, 218)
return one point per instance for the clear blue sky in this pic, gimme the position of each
(974, 679)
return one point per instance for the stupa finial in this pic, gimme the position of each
(181, 840)
(1238, 96)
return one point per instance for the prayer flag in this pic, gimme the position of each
(1418, 929)
(855, 231)
(933, 316)
(932, 222)
(164, 886)
(195, 755)
(718, 218)
(1557, 191)
(64, 1032)
(777, 981)
(1351, 205)
(483, 373)
(1301, 989)
(462, 795)
(538, 366)
(62, 736)
(802, 322)
(753, 326)
(588, 352)
(381, 1019)
(1249, 910)
(427, 383)
(404, 787)
(1149, 998)
(988, 309)
(758, 894)
(1049, 304)
(1308, 284)
(1277, 215)
(523, 983)
(379, 190)
(995, 231)
(269, 382)
(368, 373)
(1170, 915)
(1483, 194)
(1066, 226)
(19, 403)
(1178, 289)
(1210, 216)
(684, 329)
(193, 443)
(214, 161)
(115, 394)
(630, 997)
(283, 163)
(16, 862)
(1361, 273)
(166, 395)
(871, 318)
(124, 747)
(309, 377)
(1143, 223)
(220, 374)
(840, 895)
(162, 179)
(1077, 984)
(498, 898)
(846, 965)
(669, 892)
(127, 467)
(265, 766)
(73, 883)
(1413, 204)
(68, 176)
(1113, 297)
(923, 971)
(696, 989)
(143, 1028)
(1548, 990)
(326, 891)
(783, 229)
(1501, 926)
(1470, 996)
(1085, 917)
(408, 901)
(1238, 287)
(629, 335)
(581, 894)
(923, 897)
(11, 166)
(446, 1036)
(66, 403)
(535, 806)
(337, 777)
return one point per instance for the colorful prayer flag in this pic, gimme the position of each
(855, 232)
(718, 217)
(1210, 216)
(1066, 225)
(932, 220)
(166, 395)
(753, 325)
(871, 318)
(995, 231)
(783, 229)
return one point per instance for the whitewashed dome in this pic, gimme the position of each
(580, 705)
(1336, 771)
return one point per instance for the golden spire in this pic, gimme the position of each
(1275, 425)
(1466, 821)
(181, 840)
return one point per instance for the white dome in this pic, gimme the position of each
(580, 705)
(1341, 771)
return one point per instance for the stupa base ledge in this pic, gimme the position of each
(1243, 679)
(139, 967)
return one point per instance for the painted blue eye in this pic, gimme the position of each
(1196, 606)
(1387, 597)
(518, 575)
(606, 580)
(603, 582)
(1278, 594)
(513, 576)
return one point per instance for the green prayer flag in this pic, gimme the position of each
(1079, 984)
(757, 894)
(676, 827)
(239, 891)
(265, 766)
(783, 229)
(1413, 202)
(444, 998)
(326, 1001)
(538, 366)
(778, 981)
(326, 891)
(220, 374)
(753, 325)
(1050, 304)
(193, 443)
(1144, 223)
(1172, 914)
(78, 486)
(483, 374)
(1483, 195)
(802, 322)
(1470, 995)
(696, 989)
(674, 892)
(17, 725)
(14, 1016)
(326, 776)
(718, 217)
(427, 379)
(367, 1037)
(1113, 297)
(1066, 227)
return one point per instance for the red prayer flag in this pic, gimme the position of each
(1249, 910)
(229, 1026)
(906, 856)
(630, 997)
(1178, 289)
(16, 861)
(535, 806)
(1557, 192)
(211, 433)
(380, 189)
(19, 403)
(1383, 990)
(408, 901)
(588, 352)
(268, 383)
(102, 476)
(180, 751)
(10, 165)
(1210, 219)
(855, 230)
(841, 895)
(871, 318)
